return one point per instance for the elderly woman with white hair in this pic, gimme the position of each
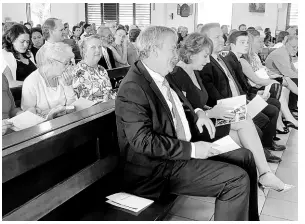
(90, 80)
(50, 86)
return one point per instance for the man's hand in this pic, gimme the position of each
(204, 150)
(6, 125)
(222, 112)
(203, 120)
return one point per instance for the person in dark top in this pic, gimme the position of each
(37, 40)
(16, 42)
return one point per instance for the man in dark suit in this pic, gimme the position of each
(154, 138)
(107, 59)
(221, 81)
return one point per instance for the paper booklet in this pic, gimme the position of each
(256, 105)
(226, 144)
(240, 109)
(82, 103)
(129, 202)
(25, 120)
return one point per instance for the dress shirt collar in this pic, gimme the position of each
(155, 76)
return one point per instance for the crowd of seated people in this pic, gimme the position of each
(166, 106)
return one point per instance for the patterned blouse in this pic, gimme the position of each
(92, 83)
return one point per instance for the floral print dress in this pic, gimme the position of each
(92, 83)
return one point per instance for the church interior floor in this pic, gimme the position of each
(273, 207)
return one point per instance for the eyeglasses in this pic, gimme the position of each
(67, 63)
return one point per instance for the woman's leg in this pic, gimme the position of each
(291, 85)
(248, 138)
(279, 124)
(284, 107)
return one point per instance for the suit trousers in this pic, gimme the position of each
(266, 120)
(230, 177)
(293, 98)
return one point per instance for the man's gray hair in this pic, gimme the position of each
(102, 28)
(206, 28)
(152, 37)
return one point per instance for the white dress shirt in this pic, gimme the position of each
(163, 89)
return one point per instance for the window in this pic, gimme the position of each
(125, 14)
(292, 14)
(38, 12)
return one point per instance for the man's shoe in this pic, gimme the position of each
(276, 147)
(276, 138)
(270, 157)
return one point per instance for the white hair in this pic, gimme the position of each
(152, 37)
(58, 51)
(83, 43)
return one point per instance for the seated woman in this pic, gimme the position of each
(194, 55)
(251, 63)
(132, 54)
(9, 108)
(119, 48)
(90, 80)
(16, 53)
(37, 40)
(50, 86)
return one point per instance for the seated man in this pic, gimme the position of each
(154, 138)
(221, 81)
(280, 62)
(107, 59)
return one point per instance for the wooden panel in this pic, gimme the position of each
(42, 149)
(118, 72)
(86, 115)
(48, 201)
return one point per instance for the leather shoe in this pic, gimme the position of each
(276, 138)
(276, 147)
(290, 125)
(285, 131)
(270, 157)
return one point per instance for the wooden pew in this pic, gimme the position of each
(63, 169)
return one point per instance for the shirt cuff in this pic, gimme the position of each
(197, 109)
(193, 154)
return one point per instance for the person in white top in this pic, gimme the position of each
(87, 31)
(50, 86)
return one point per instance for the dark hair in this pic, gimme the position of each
(120, 28)
(281, 36)
(81, 23)
(267, 30)
(133, 34)
(86, 25)
(48, 25)
(251, 28)
(241, 26)
(75, 27)
(36, 29)
(254, 32)
(194, 44)
(65, 24)
(233, 37)
(126, 28)
(27, 24)
(11, 35)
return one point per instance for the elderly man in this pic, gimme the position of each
(53, 32)
(107, 59)
(280, 62)
(154, 137)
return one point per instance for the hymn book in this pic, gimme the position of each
(128, 202)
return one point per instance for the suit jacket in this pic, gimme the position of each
(146, 134)
(103, 62)
(216, 82)
(197, 98)
(242, 79)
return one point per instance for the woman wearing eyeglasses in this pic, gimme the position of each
(16, 53)
(50, 86)
(90, 80)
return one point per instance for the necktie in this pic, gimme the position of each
(179, 126)
(106, 56)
